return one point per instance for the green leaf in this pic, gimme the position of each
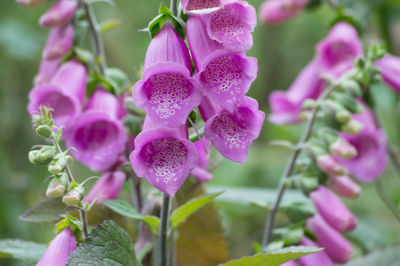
(274, 258)
(108, 244)
(29, 252)
(284, 144)
(183, 212)
(48, 211)
(125, 209)
(109, 24)
(389, 256)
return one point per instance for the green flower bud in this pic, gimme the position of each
(33, 157)
(57, 186)
(353, 127)
(74, 196)
(309, 103)
(46, 154)
(353, 87)
(59, 163)
(44, 131)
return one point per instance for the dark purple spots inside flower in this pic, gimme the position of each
(202, 4)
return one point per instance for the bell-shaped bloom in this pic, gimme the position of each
(233, 133)
(339, 49)
(286, 106)
(167, 92)
(203, 150)
(336, 246)
(59, 249)
(164, 157)
(276, 11)
(225, 76)
(59, 14)
(47, 69)
(371, 146)
(390, 70)
(330, 165)
(200, 6)
(344, 186)
(97, 134)
(107, 187)
(316, 259)
(30, 3)
(64, 93)
(232, 25)
(59, 43)
(333, 210)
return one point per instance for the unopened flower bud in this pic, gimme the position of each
(343, 149)
(59, 163)
(33, 157)
(353, 87)
(309, 103)
(46, 154)
(352, 127)
(348, 102)
(74, 196)
(342, 115)
(57, 186)
(30, 3)
(308, 183)
(344, 186)
(330, 166)
(44, 131)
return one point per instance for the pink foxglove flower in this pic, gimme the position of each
(64, 93)
(286, 106)
(316, 259)
(59, 14)
(276, 11)
(344, 186)
(390, 70)
(167, 92)
(98, 134)
(59, 43)
(330, 165)
(30, 3)
(336, 246)
(232, 133)
(107, 187)
(200, 172)
(164, 157)
(225, 77)
(200, 6)
(47, 69)
(290, 263)
(232, 25)
(333, 210)
(59, 249)
(370, 143)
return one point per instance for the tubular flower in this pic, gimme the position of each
(276, 11)
(47, 69)
(59, 249)
(164, 157)
(337, 247)
(344, 186)
(232, 133)
(59, 43)
(232, 25)
(30, 3)
(97, 134)
(200, 172)
(64, 93)
(370, 143)
(390, 70)
(200, 6)
(59, 14)
(332, 209)
(320, 258)
(167, 92)
(107, 187)
(225, 76)
(329, 165)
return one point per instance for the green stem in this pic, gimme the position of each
(174, 6)
(164, 230)
(84, 223)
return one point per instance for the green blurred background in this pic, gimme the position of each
(282, 51)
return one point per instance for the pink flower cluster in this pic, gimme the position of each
(218, 34)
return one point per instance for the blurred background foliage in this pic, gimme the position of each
(282, 51)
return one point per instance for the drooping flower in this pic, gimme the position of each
(232, 25)
(200, 172)
(64, 93)
(319, 258)
(47, 69)
(200, 6)
(336, 246)
(30, 3)
(98, 134)
(59, 249)
(59, 43)
(107, 187)
(332, 209)
(167, 92)
(344, 186)
(232, 133)
(164, 157)
(286, 106)
(225, 76)
(390, 70)
(59, 14)
(276, 11)
(370, 143)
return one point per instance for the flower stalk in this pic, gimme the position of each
(163, 252)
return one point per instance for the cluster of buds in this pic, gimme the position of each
(218, 34)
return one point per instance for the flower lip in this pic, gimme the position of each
(163, 158)
(65, 107)
(99, 140)
(200, 7)
(158, 95)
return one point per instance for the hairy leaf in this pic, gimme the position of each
(29, 252)
(47, 211)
